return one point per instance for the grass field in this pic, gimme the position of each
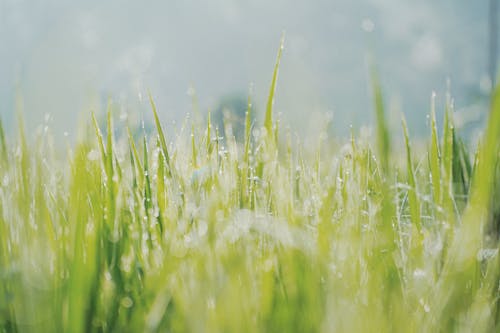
(194, 233)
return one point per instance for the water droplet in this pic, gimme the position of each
(93, 155)
(426, 306)
(367, 25)
(127, 302)
(202, 228)
(419, 273)
(486, 254)
(211, 303)
(268, 265)
(5, 181)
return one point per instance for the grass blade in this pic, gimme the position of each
(163, 142)
(435, 156)
(383, 138)
(100, 140)
(3, 144)
(268, 121)
(413, 200)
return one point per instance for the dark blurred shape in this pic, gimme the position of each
(229, 115)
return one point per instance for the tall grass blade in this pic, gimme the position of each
(100, 140)
(413, 200)
(383, 137)
(448, 134)
(138, 170)
(163, 142)
(194, 153)
(209, 145)
(3, 144)
(435, 157)
(462, 268)
(248, 130)
(484, 173)
(268, 121)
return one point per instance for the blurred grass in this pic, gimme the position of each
(202, 234)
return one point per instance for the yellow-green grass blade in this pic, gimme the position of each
(435, 157)
(447, 147)
(383, 137)
(100, 140)
(447, 162)
(194, 153)
(161, 135)
(484, 173)
(248, 130)
(148, 203)
(24, 165)
(461, 279)
(83, 285)
(245, 167)
(413, 200)
(462, 171)
(110, 172)
(138, 170)
(209, 145)
(161, 191)
(268, 120)
(3, 144)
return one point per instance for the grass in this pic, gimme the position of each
(208, 234)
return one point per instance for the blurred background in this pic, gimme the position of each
(61, 59)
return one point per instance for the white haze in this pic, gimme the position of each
(65, 58)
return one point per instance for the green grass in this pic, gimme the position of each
(265, 235)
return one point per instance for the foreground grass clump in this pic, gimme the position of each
(204, 234)
(209, 235)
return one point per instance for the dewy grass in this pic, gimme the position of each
(202, 234)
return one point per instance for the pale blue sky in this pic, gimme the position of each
(65, 58)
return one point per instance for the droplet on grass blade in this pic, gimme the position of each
(93, 155)
(424, 304)
(127, 302)
(5, 180)
(419, 273)
(211, 303)
(486, 254)
(202, 228)
(268, 265)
